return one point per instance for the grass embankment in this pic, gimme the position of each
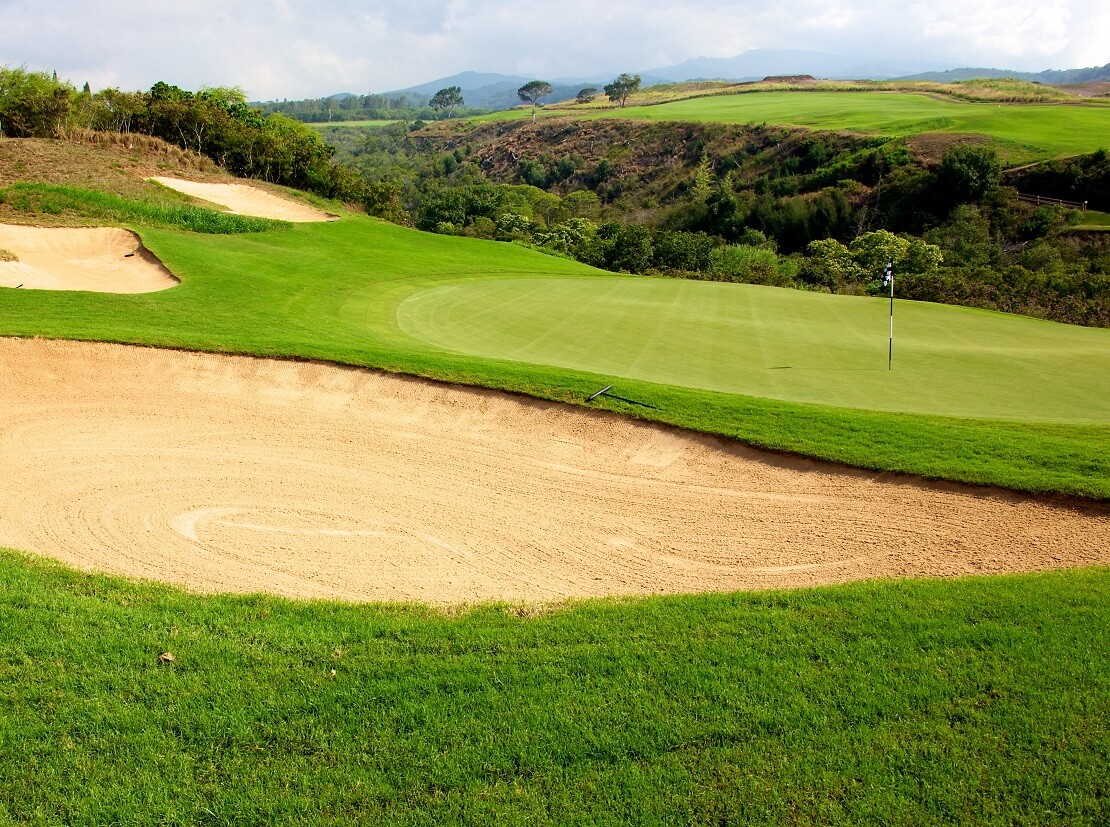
(978, 701)
(101, 207)
(332, 291)
(1022, 132)
(1094, 220)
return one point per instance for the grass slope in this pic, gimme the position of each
(331, 291)
(1024, 132)
(978, 701)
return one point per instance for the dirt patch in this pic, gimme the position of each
(243, 199)
(98, 259)
(930, 147)
(234, 474)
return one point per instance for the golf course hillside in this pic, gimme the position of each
(1023, 131)
(546, 515)
(776, 368)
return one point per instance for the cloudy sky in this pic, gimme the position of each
(306, 48)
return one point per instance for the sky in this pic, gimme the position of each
(276, 49)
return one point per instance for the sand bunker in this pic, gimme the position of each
(100, 259)
(243, 199)
(234, 474)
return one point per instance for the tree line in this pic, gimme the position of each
(216, 122)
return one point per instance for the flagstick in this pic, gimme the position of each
(890, 348)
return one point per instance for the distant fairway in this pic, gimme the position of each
(781, 344)
(1029, 130)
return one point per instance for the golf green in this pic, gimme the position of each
(780, 344)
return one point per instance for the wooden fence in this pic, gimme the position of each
(1059, 202)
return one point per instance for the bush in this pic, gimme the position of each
(752, 265)
(689, 252)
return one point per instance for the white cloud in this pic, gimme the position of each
(295, 48)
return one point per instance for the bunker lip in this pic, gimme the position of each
(239, 474)
(95, 259)
(243, 199)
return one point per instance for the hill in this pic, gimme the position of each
(759, 63)
(493, 91)
(1056, 77)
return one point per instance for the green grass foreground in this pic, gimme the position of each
(332, 291)
(976, 701)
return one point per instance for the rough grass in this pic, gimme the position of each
(331, 291)
(1094, 220)
(1008, 90)
(7, 255)
(1022, 132)
(977, 701)
(73, 205)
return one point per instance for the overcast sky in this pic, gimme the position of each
(306, 48)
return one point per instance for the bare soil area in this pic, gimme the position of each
(99, 259)
(234, 474)
(243, 199)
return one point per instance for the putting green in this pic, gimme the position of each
(781, 344)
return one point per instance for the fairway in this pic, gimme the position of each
(781, 369)
(779, 344)
(1028, 130)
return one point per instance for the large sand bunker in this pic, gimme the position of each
(243, 199)
(100, 259)
(237, 474)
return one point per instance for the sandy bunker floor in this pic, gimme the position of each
(243, 199)
(236, 474)
(99, 259)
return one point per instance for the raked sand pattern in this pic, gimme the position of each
(97, 259)
(235, 474)
(243, 199)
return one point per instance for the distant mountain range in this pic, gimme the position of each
(488, 90)
(1094, 74)
(759, 63)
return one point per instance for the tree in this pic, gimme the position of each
(586, 95)
(33, 104)
(619, 90)
(532, 91)
(447, 100)
(967, 173)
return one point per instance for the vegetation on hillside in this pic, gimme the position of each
(754, 203)
(214, 122)
(343, 108)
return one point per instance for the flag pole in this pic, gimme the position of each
(889, 279)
